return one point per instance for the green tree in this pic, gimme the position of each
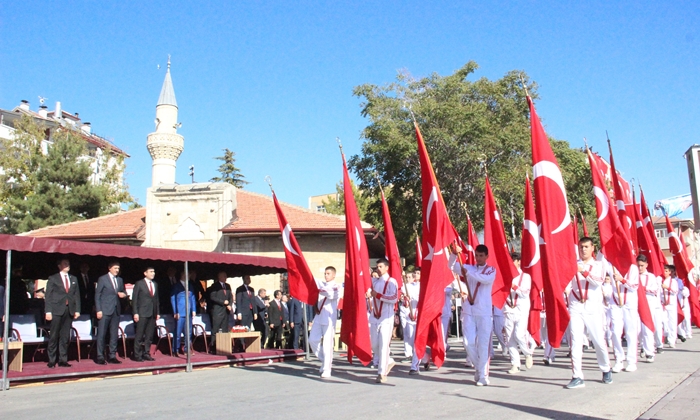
(40, 189)
(363, 201)
(228, 170)
(470, 127)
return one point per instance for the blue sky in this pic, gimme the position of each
(272, 81)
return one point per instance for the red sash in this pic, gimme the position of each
(514, 296)
(378, 311)
(584, 296)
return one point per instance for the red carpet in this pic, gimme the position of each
(39, 372)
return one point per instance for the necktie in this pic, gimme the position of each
(114, 283)
(66, 283)
(150, 288)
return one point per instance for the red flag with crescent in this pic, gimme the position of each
(499, 255)
(646, 246)
(391, 248)
(683, 267)
(614, 242)
(438, 234)
(302, 284)
(620, 186)
(552, 209)
(472, 242)
(651, 233)
(354, 330)
(530, 263)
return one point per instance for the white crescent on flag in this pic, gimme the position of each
(496, 215)
(431, 202)
(533, 230)
(357, 237)
(551, 170)
(604, 202)
(285, 239)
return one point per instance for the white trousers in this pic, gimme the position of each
(624, 320)
(380, 335)
(516, 336)
(409, 336)
(652, 339)
(592, 321)
(446, 327)
(321, 340)
(499, 321)
(684, 328)
(477, 329)
(670, 323)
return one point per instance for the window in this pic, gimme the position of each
(661, 233)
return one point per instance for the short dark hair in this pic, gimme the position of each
(515, 256)
(148, 268)
(277, 293)
(482, 249)
(642, 258)
(330, 267)
(670, 266)
(382, 261)
(113, 263)
(585, 239)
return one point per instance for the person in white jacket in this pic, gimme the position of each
(685, 331)
(621, 296)
(651, 339)
(669, 303)
(322, 334)
(516, 312)
(384, 294)
(478, 307)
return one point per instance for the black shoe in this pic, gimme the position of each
(681, 338)
(148, 357)
(137, 359)
(64, 364)
(51, 365)
(114, 361)
(101, 362)
(659, 350)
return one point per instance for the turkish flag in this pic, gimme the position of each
(558, 256)
(354, 330)
(499, 256)
(656, 251)
(419, 253)
(472, 242)
(530, 263)
(620, 188)
(391, 248)
(438, 234)
(302, 284)
(614, 242)
(683, 267)
(645, 243)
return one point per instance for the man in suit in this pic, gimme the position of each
(275, 319)
(260, 324)
(110, 288)
(87, 290)
(165, 286)
(246, 311)
(178, 300)
(296, 321)
(221, 299)
(146, 308)
(62, 306)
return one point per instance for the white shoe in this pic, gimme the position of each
(631, 367)
(389, 367)
(528, 362)
(325, 375)
(650, 359)
(482, 382)
(617, 368)
(514, 369)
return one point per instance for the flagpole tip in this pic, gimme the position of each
(269, 182)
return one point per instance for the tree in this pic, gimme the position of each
(469, 128)
(228, 170)
(41, 189)
(362, 200)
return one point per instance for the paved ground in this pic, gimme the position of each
(294, 389)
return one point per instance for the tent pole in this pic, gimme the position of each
(6, 324)
(188, 320)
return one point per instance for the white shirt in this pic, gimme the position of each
(653, 285)
(520, 298)
(668, 296)
(586, 290)
(412, 291)
(327, 305)
(480, 280)
(388, 292)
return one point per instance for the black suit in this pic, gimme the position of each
(147, 307)
(218, 310)
(87, 293)
(165, 286)
(296, 317)
(107, 302)
(62, 305)
(244, 305)
(260, 324)
(275, 316)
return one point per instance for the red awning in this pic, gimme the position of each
(38, 258)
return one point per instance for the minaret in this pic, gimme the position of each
(165, 145)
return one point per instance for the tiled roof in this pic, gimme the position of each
(256, 213)
(122, 225)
